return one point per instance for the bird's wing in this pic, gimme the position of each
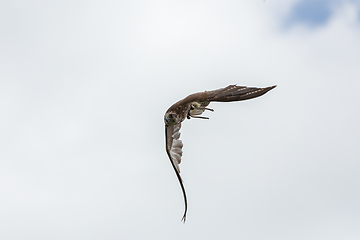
(236, 93)
(174, 151)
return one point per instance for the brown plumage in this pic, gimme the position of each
(191, 107)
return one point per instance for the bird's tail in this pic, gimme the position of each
(236, 93)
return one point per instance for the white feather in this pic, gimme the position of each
(176, 147)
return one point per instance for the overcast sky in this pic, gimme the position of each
(84, 86)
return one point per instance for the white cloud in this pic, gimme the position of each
(83, 91)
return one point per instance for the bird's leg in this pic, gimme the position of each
(196, 109)
(192, 107)
(204, 108)
(197, 117)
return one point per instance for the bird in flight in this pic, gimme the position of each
(192, 107)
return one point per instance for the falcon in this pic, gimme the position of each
(192, 107)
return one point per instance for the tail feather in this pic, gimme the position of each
(236, 93)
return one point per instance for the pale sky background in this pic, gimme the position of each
(84, 86)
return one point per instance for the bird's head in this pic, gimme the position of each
(171, 118)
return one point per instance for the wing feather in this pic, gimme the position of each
(236, 93)
(174, 151)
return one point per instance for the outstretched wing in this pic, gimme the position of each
(174, 151)
(236, 93)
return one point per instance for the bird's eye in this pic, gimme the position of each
(169, 117)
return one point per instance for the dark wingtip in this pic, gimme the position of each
(272, 87)
(269, 88)
(183, 218)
